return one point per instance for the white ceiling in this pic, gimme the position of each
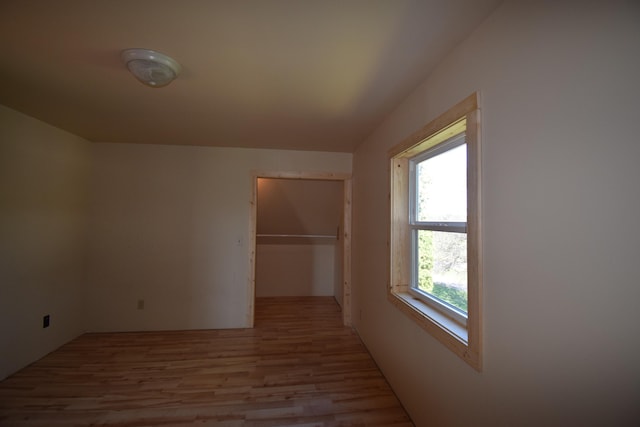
(292, 74)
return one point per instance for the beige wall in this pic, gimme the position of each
(559, 87)
(170, 225)
(289, 269)
(43, 176)
(299, 206)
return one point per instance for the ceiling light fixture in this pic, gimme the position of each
(152, 68)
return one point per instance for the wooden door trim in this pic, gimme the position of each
(346, 234)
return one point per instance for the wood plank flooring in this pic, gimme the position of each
(298, 367)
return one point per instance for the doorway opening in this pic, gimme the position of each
(301, 236)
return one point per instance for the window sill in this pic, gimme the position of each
(432, 315)
(444, 329)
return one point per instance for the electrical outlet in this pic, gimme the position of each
(140, 304)
(45, 321)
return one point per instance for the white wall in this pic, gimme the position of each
(43, 175)
(560, 91)
(299, 206)
(289, 269)
(170, 225)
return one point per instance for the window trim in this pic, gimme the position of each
(466, 342)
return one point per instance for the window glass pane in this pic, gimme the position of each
(442, 266)
(441, 186)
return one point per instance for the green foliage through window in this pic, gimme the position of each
(454, 289)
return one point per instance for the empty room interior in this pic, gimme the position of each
(319, 213)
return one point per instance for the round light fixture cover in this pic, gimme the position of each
(152, 68)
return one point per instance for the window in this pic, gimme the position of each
(435, 229)
(438, 224)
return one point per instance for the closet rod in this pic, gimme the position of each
(315, 236)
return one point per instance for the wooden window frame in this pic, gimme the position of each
(464, 340)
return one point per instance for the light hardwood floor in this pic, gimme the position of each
(298, 367)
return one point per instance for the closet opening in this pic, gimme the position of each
(301, 238)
